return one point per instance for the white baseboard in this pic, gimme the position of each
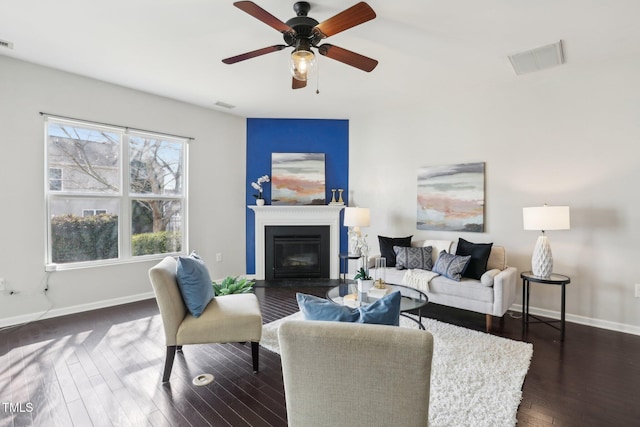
(588, 321)
(57, 312)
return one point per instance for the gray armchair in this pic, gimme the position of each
(352, 374)
(230, 318)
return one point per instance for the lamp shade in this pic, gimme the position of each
(356, 217)
(544, 218)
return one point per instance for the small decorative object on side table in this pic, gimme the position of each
(554, 279)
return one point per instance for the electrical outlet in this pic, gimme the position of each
(2, 284)
(219, 257)
(637, 290)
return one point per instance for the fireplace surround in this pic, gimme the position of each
(313, 215)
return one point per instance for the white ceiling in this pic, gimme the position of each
(174, 48)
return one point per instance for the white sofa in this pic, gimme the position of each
(467, 294)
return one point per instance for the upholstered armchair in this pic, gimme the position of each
(226, 319)
(354, 374)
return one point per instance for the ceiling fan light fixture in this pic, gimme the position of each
(302, 61)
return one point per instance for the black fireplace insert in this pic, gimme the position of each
(297, 252)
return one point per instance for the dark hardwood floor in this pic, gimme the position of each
(103, 368)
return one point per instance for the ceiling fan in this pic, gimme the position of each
(303, 33)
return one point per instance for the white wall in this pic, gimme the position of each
(564, 136)
(216, 187)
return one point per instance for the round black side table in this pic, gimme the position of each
(344, 265)
(555, 279)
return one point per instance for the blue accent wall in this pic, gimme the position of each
(266, 136)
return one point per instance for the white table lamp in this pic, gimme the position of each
(544, 218)
(354, 218)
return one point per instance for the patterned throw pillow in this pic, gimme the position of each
(413, 258)
(451, 266)
(387, 244)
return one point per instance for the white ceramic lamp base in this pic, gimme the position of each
(542, 260)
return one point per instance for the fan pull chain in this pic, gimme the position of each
(318, 78)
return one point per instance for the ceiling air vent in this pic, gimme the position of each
(4, 43)
(224, 105)
(537, 59)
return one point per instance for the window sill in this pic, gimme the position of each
(106, 263)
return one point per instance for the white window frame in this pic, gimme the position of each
(124, 196)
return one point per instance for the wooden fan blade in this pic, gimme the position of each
(253, 54)
(346, 19)
(346, 56)
(259, 13)
(297, 84)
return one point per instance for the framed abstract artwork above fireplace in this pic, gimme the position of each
(298, 179)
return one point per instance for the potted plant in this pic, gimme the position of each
(365, 282)
(232, 285)
(258, 186)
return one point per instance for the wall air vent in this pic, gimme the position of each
(537, 59)
(4, 43)
(224, 105)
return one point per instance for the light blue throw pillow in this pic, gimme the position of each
(384, 311)
(194, 283)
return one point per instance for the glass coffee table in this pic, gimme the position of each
(412, 299)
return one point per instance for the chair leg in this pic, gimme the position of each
(168, 364)
(255, 349)
(488, 320)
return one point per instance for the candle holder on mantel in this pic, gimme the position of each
(333, 197)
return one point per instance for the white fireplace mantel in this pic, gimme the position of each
(297, 215)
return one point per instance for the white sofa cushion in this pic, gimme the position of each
(497, 258)
(465, 288)
(438, 246)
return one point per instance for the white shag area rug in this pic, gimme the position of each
(476, 378)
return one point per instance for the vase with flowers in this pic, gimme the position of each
(258, 186)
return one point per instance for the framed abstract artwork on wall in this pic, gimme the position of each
(297, 179)
(451, 197)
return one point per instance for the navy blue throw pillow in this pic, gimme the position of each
(479, 253)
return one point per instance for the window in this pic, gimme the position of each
(55, 179)
(91, 212)
(113, 194)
